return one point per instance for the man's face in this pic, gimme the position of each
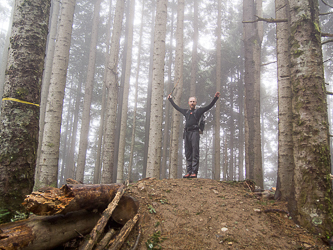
(192, 102)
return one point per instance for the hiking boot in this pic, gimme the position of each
(193, 176)
(187, 175)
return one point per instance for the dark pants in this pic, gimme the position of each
(192, 151)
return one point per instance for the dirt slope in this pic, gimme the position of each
(208, 214)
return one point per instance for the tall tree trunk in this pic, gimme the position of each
(167, 135)
(55, 7)
(19, 110)
(178, 90)
(311, 205)
(123, 126)
(51, 134)
(98, 165)
(136, 93)
(70, 163)
(155, 130)
(194, 65)
(81, 161)
(112, 85)
(252, 90)
(232, 133)
(285, 151)
(241, 128)
(217, 167)
(149, 92)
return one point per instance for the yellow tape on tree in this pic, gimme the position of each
(17, 100)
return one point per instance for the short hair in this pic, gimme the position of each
(193, 97)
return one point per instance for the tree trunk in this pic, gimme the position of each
(178, 89)
(241, 128)
(88, 91)
(55, 7)
(51, 135)
(155, 133)
(149, 92)
(98, 165)
(31, 234)
(127, 73)
(112, 85)
(21, 95)
(194, 65)
(136, 94)
(252, 109)
(217, 153)
(285, 150)
(311, 205)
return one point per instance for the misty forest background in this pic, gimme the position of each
(231, 98)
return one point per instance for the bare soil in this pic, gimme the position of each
(208, 214)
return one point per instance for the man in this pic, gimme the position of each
(191, 132)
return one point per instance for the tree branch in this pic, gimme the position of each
(329, 93)
(326, 35)
(326, 4)
(268, 20)
(324, 14)
(327, 41)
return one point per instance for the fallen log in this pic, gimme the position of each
(46, 232)
(98, 229)
(69, 198)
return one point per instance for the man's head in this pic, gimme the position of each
(192, 102)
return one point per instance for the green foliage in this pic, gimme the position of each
(19, 216)
(151, 209)
(154, 241)
(3, 214)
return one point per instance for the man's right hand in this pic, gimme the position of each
(169, 96)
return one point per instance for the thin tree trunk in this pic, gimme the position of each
(88, 95)
(217, 116)
(123, 126)
(136, 94)
(51, 134)
(178, 90)
(19, 110)
(149, 91)
(194, 65)
(112, 85)
(98, 165)
(155, 130)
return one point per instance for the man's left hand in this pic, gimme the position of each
(217, 94)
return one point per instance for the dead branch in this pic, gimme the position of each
(327, 41)
(71, 181)
(326, 35)
(124, 232)
(326, 4)
(329, 93)
(106, 239)
(137, 239)
(98, 229)
(268, 20)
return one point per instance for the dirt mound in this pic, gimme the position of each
(208, 214)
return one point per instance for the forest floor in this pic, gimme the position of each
(208, 214)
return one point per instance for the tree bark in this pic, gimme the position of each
(112, 85)
(51, 40)
(175, 127)
(194, 64)
(31, 234)
(88, 92)
(285, 150)
(155, 133)
(51, 135)
(21, 96)
(130, 165)
(311, 205)
(127, 73)
(69, 198)
(217, 153)
(98, 165)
